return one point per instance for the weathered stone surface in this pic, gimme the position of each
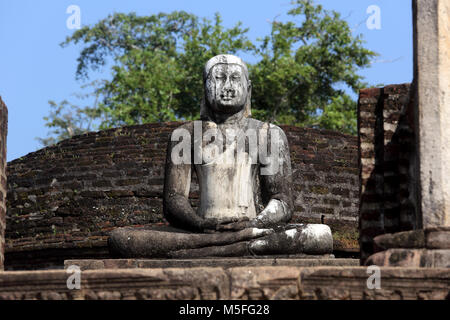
(432, 82)
(343, 283)
(264, 283)
(440, 258)
(338, 283)
(165, 242)
(235, 283)
(167, 284)
(438, 238)
(169, 242)
(397, 257)
(405, 239)
(294, 261)
(430, 238)
(414, 258)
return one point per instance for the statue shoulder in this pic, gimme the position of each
(275, 132)
(261, 125)
(258, 124)
(276, 128)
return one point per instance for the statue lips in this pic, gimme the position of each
(227, 96)
(227, 100)
(227, 104)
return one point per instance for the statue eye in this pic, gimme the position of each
(220, 76)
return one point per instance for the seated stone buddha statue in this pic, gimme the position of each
(243, 169)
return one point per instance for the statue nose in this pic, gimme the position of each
(228, 89)
(229, 92)
(227, 84)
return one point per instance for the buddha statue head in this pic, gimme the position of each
(227, 88)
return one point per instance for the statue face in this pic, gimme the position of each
(226, 88)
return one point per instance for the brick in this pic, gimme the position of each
(341, 192)
(319, 189)
(438, 239)
(322, 210)
(128, 182)
(101, 183)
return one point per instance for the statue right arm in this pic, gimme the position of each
(177, 208)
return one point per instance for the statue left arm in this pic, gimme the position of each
(276, 182)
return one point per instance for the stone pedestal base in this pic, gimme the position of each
(297, 261)
(418, 248)
(245, 283)
(417, 258)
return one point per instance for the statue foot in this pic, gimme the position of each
(294, 239)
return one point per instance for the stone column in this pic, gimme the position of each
(432, 82)
(3, 133)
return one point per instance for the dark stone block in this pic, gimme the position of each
(406, 239)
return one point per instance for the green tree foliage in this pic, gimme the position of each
(304, 63)
(157, 61)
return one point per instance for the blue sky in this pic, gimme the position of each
(35, 69)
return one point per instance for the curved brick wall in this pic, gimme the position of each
(3, 134)
(63, 200)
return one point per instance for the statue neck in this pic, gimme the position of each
(228, 118)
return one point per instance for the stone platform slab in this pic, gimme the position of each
(95, 264)
(429, 248)
(256, 283)
(411, 258)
